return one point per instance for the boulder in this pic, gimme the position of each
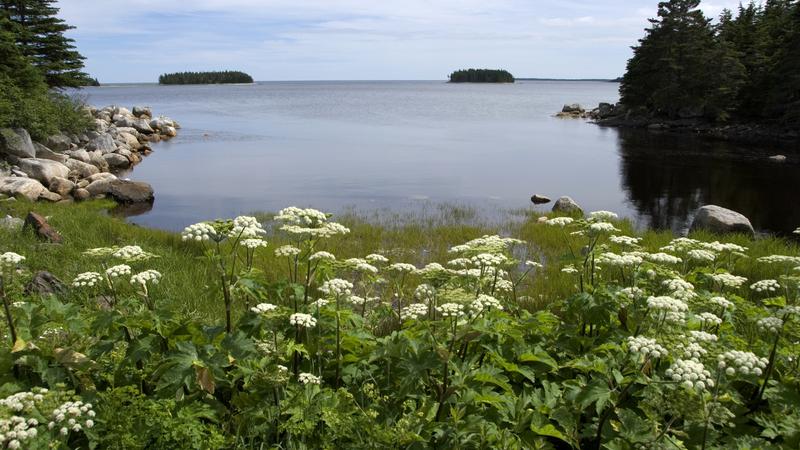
(573, 109)
(124, 121)
(41, 228)
(142, 111)
(778, 158)
(19, 173)
(58, 142)
(142, 126)
(21, 187)
(50, 196)
(103, 143)
(539, 199)
(82, 184)
(605, 110)
(81, 194)
(43, 169)
(121, 111)
(101, 176)
(169, 132)
(11, 223)
(16, 142)
(105, 116)
(61, 186)
(117, 161)
(99, 188)
(80, 169)
(43, 152)
(125, 191)
(80, 154)
(130, 140)
(45, 283)
(567, 205)
(96, 159)
(101, 125)
(721, 220)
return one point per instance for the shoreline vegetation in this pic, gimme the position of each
(219, 77)
(481, 76)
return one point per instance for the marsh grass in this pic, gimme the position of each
(417, 237)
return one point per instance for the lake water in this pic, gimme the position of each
(372, 146)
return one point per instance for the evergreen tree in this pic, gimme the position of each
(783, 91)
(679, 68)
(40, 35)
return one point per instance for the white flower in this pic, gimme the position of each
(10, 260)
(307, 378)
(603, 215)
(681, 245)
(707, 318)
(287, 251)
(504, 286)
(131, 253)
(701, 255)
(118, 271)
(721, 301)
(728, 280)
(319, 303)
(646, 347)
(723, 247)
(780, 259)
(376, 258)
(87, 279)
(691, 374)
(322, 256)
(770, 324)
(254, 243)
(533, 264)
(487, 259)
(246, 227)
(302, 320)
(263, 308)
(402, 267)
(148, 276)
(673, 309)
(693, 351)
(198, 232)
(424, 292)
(361, 265)
(602, 227)
(615, 260)
(431, 269)
(663, 258)
(414, 311)
(797, 231)
(485, 302)
(358, 301)
(450, 310)
(789, 311)
(680, 288)
(702, 336)
(632, 292)
(765, 286)
(337, 287)
(625, 240)
(309, 222)
(569, 269)
(746, 363)
(560, 221)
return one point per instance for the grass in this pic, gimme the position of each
(417, 238)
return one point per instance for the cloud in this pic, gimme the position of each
(135, 40)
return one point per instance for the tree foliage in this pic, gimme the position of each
(740, 67)
(222, 77)
(481, 76)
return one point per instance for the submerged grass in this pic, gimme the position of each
(418, 238)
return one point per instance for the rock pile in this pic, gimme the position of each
(66, 168)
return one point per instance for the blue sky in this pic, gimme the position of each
(136, 40)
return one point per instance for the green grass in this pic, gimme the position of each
(417, 238)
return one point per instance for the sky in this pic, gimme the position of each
(136, 40)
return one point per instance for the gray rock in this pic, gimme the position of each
(124, 121)
(574, 108)
(58, 142)
(82, 184)
(605, 110)
(80, 154)
(19, 173)
(11, 223)
(169, 132)
(104, 143)
(96, 159)
(121, 111)
(16, 142)
(721, 220)
(124, 191)
(45, 153)
(101, 176)
(99, 187)
(117, 161)
(50, 196)
(61, 186)
(81, 194)
(778, 158)
(81, 169)
(130, 140)
(21, 187)
(142, 126)
(567, 205)
(45, 283)
(43, 169)
(539, 199)
(142, 111)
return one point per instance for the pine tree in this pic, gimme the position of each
(40, 35)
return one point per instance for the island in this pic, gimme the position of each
(219, 77)
(481, 76)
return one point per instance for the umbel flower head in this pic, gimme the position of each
(10, 259)
(87, 279)
(414, 311)
(263, 308)
(307, 378)
(246, 227)
(336, 287)
(485, 302)
(646, 347)
(302, 320)
(199, 232)
(745, 363)
(309, 222)
(148, 276)
(765, 286)
(450, 310)
(690, 374)
(118, 271)
(728, 280)
(254, 243)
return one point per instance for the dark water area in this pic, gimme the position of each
(404, 146)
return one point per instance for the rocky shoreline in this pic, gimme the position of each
(80, 167)
(690, 122)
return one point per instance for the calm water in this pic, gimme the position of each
(403, 145)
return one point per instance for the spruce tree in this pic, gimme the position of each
(40, 35)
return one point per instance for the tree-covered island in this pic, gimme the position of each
(481, 76)
(219, 77)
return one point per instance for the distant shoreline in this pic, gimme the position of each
(144, 83)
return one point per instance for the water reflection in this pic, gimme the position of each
(667, 177)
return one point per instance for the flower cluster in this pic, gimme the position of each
(87, 279)
(336, 287)
(322, 256)
(22, 401)
(693, 351)
(9, 261)
(663, 258)
(403, 267)
(780, 259)
(646, 347)
(721, 301)
(148, 276)
(770, 324)
(131, 253)
(707, 318)
(701, 255)
(625, 240)
(728, 280)
(319, 303)
(631, 292)
(488, 260)
(702, 336)
(302, 320)
(307, 378)
(309, 222)
(680, 288)
(15, 430)
(603, 215)
(246, 227)
(263, 308)
(746, 363)
(199, 232)
(765, 286)
(254, 243)
(375, 258)
(424, 292)
(287, 251)
(414, 311)
(450, 310)
(691, 374)
(504, 286)
(615, 260)
(559, 221)
(485, 302)
(361, 265)
(673, 309)
(72, 416)
(569, 269)
(602, 227)
(118, 271)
